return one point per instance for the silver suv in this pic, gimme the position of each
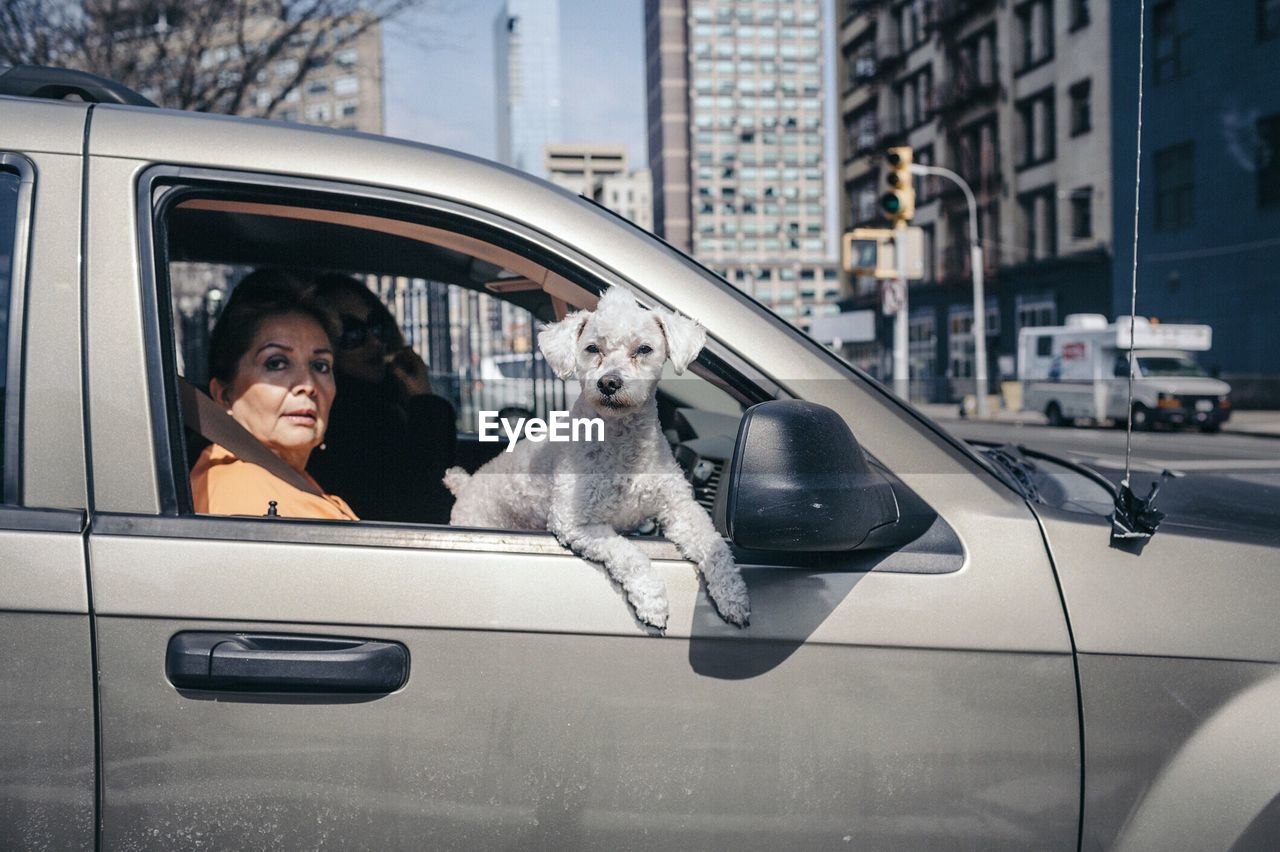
(979, 669)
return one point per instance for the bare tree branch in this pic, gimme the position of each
(212, 55)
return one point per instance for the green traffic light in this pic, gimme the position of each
(891, 202)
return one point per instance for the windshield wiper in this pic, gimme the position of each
(1021, 470)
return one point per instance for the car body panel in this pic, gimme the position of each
(1156, 604)
(556, 740)
(1182, 753)
(49, 136)
(1179, 683)
(47, 739)
(47, 755)
(42, 127)
(46, 683)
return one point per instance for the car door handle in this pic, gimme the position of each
(256, 662)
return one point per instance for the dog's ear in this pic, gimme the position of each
(559, 342)
(685, 338)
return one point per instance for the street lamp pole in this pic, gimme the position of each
(979, 300)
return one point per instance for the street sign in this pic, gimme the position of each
(892, 296)
(870, 252)
(849, 327)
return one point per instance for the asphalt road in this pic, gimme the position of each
(1229, 483)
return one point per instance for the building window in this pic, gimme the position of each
(1082, 213)
(1035, 33)
(976, 155)
(1036, 126)
(1268, 19)
(1169, 57)
(319, 87)
(1081, 121)
(915, 94)
(1175, 179)
(959, 342)
(922, 344)
(928, 239)
(1268, 159)
(1079, 14)
(348, 85)
(1039, 223)
(926, 186)
(1036, 312)
(319, 112)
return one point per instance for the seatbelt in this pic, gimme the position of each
(204, 416)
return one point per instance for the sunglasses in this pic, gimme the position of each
(356, 332)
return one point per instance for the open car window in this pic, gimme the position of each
(470, 303)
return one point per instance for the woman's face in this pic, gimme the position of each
(362, 347)
(283, 387)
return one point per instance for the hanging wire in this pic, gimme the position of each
(1133, 287)
(1135, 518)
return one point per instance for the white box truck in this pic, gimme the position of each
(1080, 371)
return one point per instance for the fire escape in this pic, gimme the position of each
(965, 105)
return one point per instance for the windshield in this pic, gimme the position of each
(1157, 366)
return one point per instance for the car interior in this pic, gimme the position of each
(469, 299)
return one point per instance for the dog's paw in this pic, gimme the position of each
(653, 613)
(731, 599)
(649, 600)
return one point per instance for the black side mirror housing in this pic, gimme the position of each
(799, 480)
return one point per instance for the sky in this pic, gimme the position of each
(440, 77)
(440, 86)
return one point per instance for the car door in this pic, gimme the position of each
(924, 697)
(46, 684)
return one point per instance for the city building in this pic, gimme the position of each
(1015, 97)
(328, 73)
(526, 38)
(347, 92)
(737, 146)
(601, 172)
(1209, 217)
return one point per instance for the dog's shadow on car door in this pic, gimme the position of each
(787, 606)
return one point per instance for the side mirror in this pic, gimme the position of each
(800, 481)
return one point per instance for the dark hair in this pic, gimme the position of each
(326, 286)
(259, 296)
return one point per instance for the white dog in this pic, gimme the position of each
(584, 492)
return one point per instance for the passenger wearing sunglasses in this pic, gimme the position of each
(390, 438)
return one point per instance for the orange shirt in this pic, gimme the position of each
(222, 484)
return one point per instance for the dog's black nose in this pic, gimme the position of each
(609, 384)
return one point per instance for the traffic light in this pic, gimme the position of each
(899, 200)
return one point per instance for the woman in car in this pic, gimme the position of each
(390, 437)
(271, 366)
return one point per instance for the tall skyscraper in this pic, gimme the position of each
(526, 35)
(737, 144)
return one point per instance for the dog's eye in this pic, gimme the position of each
(644, 349)
(593, 349)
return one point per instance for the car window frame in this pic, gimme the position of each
(176, 517)
(11, 486)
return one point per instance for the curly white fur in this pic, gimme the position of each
(585, 492)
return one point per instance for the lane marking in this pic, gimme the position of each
(1158, 465)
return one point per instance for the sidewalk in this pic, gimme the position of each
(1258, 423)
